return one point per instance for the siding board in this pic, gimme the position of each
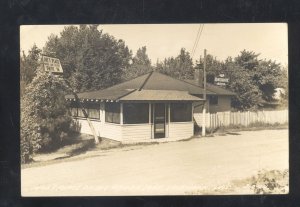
(181, 130)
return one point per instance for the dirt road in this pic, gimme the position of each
(164, 169)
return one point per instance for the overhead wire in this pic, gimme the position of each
(198, 32)
(197, 39)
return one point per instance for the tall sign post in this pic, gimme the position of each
(204, 95)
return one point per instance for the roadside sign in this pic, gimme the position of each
(221, 80)
(50, 64)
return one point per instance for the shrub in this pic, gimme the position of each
(270, 182)
(45, 121)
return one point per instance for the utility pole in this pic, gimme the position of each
(204, 95)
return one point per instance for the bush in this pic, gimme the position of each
(270, 182)
(45, 121)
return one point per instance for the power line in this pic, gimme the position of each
(197, 41)
(198, 32)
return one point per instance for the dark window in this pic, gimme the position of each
(93, 110)
(80, 112)
(112, 112)
(74, 111)
(181, 112)
(136, 113)
(73, 108)
(213, 100)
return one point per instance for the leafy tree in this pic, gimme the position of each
(248, 95)
(180, 67)
(214, 67)
(266, 74)
(28, 67)
(141, 64)
(45, 122)
(90, 59)
(247, 60)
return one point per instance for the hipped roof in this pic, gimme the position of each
(159, 95)
(151, 86)
(213, 88)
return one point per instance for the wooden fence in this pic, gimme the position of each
(242, 118)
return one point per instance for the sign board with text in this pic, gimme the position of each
(50, 64)
(221, 80)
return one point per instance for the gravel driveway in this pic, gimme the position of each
(163, 169)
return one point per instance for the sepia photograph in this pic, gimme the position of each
(154, 109)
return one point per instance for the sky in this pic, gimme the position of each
(166, 40)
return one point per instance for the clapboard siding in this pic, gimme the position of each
(107, 130)
(136, 132)
(112, 131)
(85, 128)
(181, 129)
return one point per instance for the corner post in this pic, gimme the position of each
(204, 95)
(121, 114)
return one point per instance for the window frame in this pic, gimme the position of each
(114, 114)
(96, 107)
(144, 114)
(188, 116)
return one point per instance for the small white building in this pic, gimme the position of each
(151, 106)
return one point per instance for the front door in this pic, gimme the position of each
(159, 120)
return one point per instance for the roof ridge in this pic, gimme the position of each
(184, 81)
(126, 94)
(146, 80)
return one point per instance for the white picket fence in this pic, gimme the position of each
(242, 118)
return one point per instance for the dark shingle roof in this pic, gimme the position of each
(152, 83)
(215, 89)
(158, 81)
(159, 95)
(105, 94)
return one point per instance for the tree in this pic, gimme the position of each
(247, 60)
(214, 67)
(248, 95)
(90, 59)
(45, 121)
(180, 67)
(141, 64)
(266, 74)
(28, 67)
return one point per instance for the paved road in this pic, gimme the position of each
(164, 169)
